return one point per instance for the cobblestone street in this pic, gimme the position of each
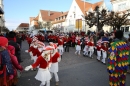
(73, 71)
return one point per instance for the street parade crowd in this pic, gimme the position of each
(110, 48)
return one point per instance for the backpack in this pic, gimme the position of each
(1, 65)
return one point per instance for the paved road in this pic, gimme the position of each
(73, 71)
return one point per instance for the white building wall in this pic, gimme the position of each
(121, 5)
(2, 20)
(70, 20)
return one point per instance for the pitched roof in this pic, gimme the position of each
(36, 18)
(63, 14)
(36, 25)
(31, 19)
(24, 25)
(55, 22)
(49, 15)
(87, 5)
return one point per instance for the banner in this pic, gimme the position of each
(78, 24)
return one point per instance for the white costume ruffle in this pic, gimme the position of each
(78, 47)
(54, 67)
(43, 75)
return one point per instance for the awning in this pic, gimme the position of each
(1, 11)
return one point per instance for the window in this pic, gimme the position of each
(122, 28)
(74, 15)
(127, 29)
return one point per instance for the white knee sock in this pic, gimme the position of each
(56, 77)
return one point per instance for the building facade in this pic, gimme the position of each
(43, 21)
(77, 11)
(23, 27)
(122, 6)
(2, 20)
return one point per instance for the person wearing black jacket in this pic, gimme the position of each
(19, 39)
(12, 41)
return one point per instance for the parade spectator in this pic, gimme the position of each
(16, 65)
(12, 41)
(6, 68)
(19, 39)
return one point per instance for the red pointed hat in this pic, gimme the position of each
(48, 48)
(55, 46)
(41, 43)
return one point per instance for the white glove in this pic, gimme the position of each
(28, 68)
(26, 51)
(59, 59)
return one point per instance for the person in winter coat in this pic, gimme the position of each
(6, 67)
(16, 65)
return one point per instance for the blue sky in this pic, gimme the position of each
(19, 11)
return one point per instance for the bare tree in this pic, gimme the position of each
(97, 18)
(117, 19)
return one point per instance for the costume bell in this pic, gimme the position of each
(43, 62)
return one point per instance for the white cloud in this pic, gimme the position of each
(12, 24)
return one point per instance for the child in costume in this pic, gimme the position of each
(43, 61)
(60, 45)
(104, 49)
(98, 47)
(78, 47)
(55, 58)
(91, 47)
(86, 46)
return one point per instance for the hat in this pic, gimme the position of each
(55, 46)
(47, 48)
(41, 43)
(105, 40)
(35, 38)
(3, 41)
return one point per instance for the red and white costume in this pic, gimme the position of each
(78, 47)
(60, 45)
(55, 58)
(104, 49)
(43, 62)
(98, 47)
(91, 47)
(86, 46)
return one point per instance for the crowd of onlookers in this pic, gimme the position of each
(10, 57)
